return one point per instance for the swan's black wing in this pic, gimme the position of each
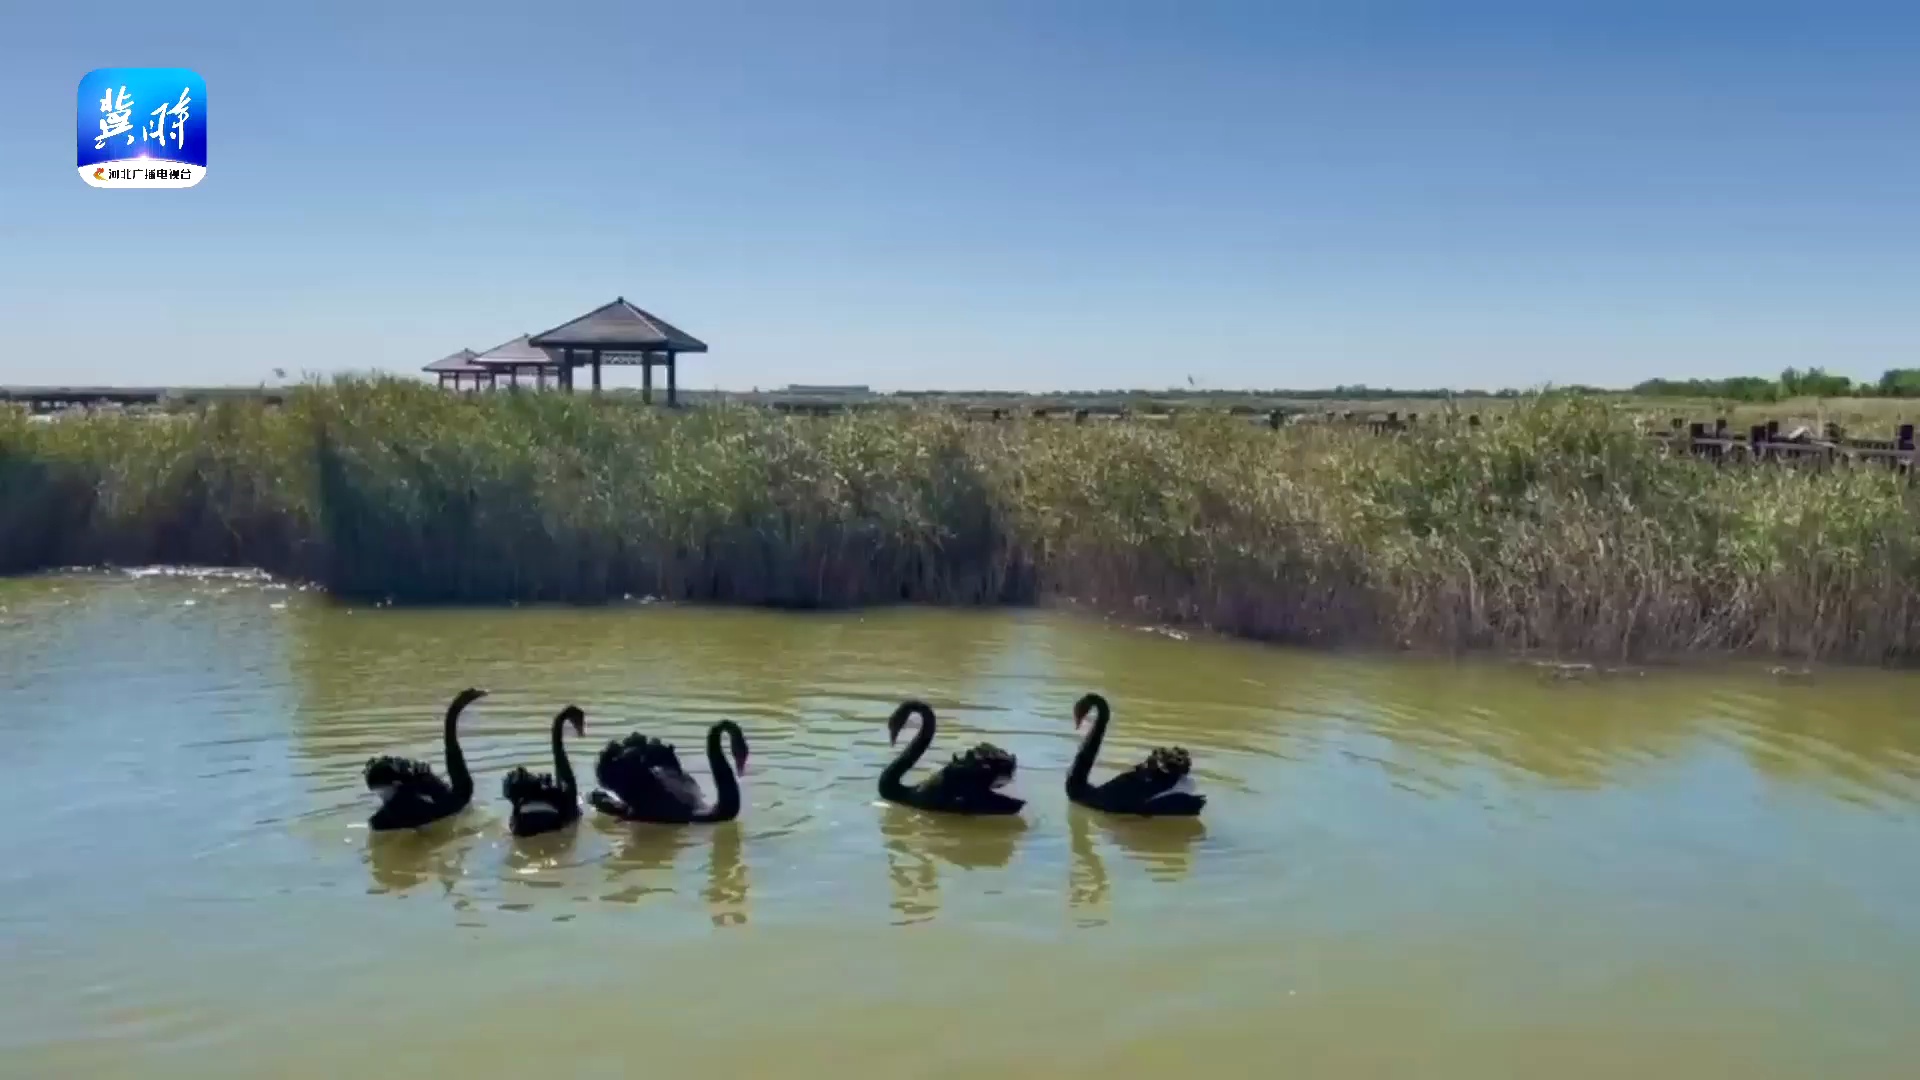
(1164, 773)
(612, 805)
(540, 804)
(638, 768)
(639, 749)
(644, 782)
(983, 765)
(405, 778)
(523, 786)
(970, 782)
(655, 806)
(410, 794)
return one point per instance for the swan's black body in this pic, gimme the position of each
(644, 781)
(965, 785)
(1157, 787)
(541, 803)
(411, 795)
(638, 764)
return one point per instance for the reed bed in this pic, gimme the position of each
(1562, 530)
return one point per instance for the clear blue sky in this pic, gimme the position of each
(987, 193)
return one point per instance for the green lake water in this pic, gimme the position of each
(1407, 867)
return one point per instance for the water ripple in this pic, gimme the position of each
(186, 797)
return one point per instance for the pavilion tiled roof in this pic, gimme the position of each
(456, 363)
(619, 326)
(515, 353)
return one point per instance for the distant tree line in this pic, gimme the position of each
(1337, 393)
(1792, 383)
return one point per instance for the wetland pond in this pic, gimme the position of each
(1407, 867)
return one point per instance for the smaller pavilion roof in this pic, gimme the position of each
(515, 353)
(619, 327)
(457, 363)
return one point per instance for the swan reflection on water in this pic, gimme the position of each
(403, 859)
(530, 861)
(640, 850)
(644, 852)
(1162, 846)
(542, 851)
(727, 883)
(915, 838)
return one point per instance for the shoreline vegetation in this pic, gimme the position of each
(1811, 396)
(1562, 531)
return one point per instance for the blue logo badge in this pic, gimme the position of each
(142, 127)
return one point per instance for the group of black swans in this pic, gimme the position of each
(641, 779)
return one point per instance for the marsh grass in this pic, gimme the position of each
(1561, 530)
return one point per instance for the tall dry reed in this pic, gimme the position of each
(1559, 530)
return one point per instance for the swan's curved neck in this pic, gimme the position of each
(726, 804)
(457, 773)
(562, 768)
(1089, 750)
(890, 779)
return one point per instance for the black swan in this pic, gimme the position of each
(542, 804)
(966, 785)
(642, 784)
(410, 794)
(1160, 786)
(621, 758)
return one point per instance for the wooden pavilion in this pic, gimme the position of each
(619, 334)
(513, 358)
(453, 368)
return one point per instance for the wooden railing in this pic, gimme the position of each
(57, 398)
(1767, 442)
(1716, 441)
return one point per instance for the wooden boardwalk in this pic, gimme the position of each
(1760, 443)
(56, 398)
(1767, 443)
(1711, 440)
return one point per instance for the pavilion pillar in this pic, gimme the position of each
(596, 371)
(646, 378)
(673, 380)
(493, 380)
(566, 370)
